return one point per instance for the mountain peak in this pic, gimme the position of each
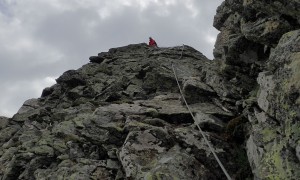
(123, 116)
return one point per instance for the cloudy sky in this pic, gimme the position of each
(41, 39)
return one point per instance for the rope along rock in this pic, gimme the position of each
(202, 133)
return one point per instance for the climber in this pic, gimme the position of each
(152, 42)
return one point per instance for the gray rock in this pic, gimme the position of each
(72, 78)
(8, 132)
(123, 118)
(3, 122)
(298, 152)
(209, 122)
(290, 9)
(254, 154)
(276, 126)
(266, 30)
(267, 85)
(223, 12)
(258, 54)
(196, 91)
(151, 154)
(96, 59)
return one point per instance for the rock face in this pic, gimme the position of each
(121, 116)
(259, 48)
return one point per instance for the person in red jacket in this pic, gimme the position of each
(152, 42)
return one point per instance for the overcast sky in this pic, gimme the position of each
(41, 39)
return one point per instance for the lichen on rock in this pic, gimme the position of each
(122, 115)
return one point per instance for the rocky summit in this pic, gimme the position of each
(122, 115)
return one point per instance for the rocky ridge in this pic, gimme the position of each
(121, 116)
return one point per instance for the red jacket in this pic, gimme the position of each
(152, 42)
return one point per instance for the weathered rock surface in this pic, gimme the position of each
(279, 120)
(3, 122)
(258, 48)
(121, 117)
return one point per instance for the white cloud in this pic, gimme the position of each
(39, 84)
(210, 39)
(49, 81)
(104, 13)
(20, 91)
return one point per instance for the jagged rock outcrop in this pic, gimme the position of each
(258, 47)
(121, 117)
